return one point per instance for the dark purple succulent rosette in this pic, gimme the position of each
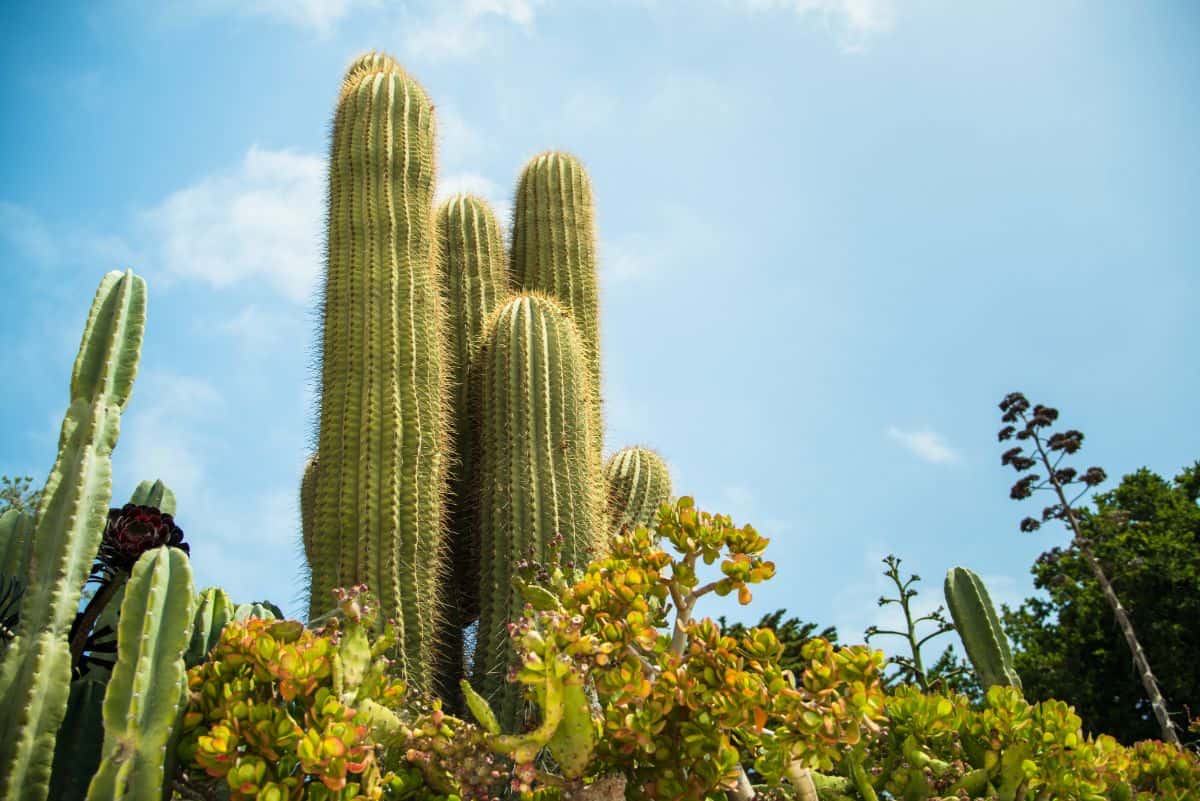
(132, 530)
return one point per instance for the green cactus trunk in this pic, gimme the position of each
(148, 689)
(378, 516)
(16, 544)
(536, 474)
(473, 271)
(638, 483)
(308, 511)
(979, 628)
(214, 610)
(554, 252)
(36, 672)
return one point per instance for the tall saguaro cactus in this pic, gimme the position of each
(473, 270)
(536, 475)
(554, 251)
(638, 483)
(36, 671)
(382, 444)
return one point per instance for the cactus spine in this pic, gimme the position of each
(638, 483)
(979, 628)
(148, 689)
(156, 494)
(383, 417)
(35, 675)
(535, 475)
(554, 252)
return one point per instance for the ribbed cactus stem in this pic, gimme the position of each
(36, 671)
(383, 413)
(214, 610)
(536, 475)
(148, 689)
(554, 251)
(473, 269)
(156, 494)
(16, 544)
(308, 513)
(979, 628)
(638, 483)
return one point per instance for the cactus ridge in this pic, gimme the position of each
(536, 474)
(308, 502)
(979, 628)
(36, 671)
(383, 427)
(554, 251)
(148, 689)
(16, 544)
(214, 610)
(638, 483)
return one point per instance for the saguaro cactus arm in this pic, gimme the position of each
(638, 483)
(35, 674)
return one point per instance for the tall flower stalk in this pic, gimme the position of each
(1050, 448)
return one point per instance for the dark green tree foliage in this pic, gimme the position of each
(792, 633)
(1146, 534)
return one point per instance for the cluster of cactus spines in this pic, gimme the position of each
(36, 672)
(214, 610)
(554, 251)
(156, 494)
(979, 628)
(638, 483)
(536, 477)
(148, 689)
(383, 428)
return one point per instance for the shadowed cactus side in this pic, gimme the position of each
(979, 628)
(36, 672)
(473, 272)
(638, 483)
(382, 442)
(554, 252)
(214, 610)
(536, 477)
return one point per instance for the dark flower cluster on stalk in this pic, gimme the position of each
(1027, 422)
(131, 531)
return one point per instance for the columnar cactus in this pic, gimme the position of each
(638, 483)
(214, 610)
(16, 543)
(148, 689)
(382, 442)
(308, 510)
(536, 476)
(554, 251)
(979, 628)
(36, 671)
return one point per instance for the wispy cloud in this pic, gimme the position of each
(463, 28)
(675, 239)
(260, 220)
(853, 22)
(925, 444)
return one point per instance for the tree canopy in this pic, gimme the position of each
(1146, 534)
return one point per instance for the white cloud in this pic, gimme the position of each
(458, 142)
(260, 220)
(927, 445)
(676, 240)
(260, 330)
(853, 22)
(458, 29)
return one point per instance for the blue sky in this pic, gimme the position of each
(833, 234)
